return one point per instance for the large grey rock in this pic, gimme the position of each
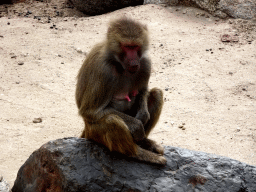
(74, 164)
(244, 9)
(97, 7)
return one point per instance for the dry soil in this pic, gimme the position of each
(209, 85)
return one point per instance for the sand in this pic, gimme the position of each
(209, 85)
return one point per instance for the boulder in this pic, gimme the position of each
(244, 9)
(97, 7)
(76, 164)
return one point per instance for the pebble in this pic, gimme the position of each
(37, 120)
(182, 126)
(21, 63)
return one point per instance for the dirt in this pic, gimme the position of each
(209, 84)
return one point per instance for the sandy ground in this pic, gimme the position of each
(209, 85)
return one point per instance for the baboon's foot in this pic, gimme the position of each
(148, 156)
(151, 146)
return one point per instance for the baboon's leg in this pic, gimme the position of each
(112, 132)
(155, 104)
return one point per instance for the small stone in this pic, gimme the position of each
(62, 62)
(183, 128)
(180, 126)
(79, 50)
(37, 120)
(21, 63)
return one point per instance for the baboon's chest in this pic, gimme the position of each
(123, 101)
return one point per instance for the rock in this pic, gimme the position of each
(244, 9)
(75, 164)
(163, 2)
(97, 7)
(4, 186)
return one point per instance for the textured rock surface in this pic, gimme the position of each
(96, 7)
(74, 164)
(245, 9)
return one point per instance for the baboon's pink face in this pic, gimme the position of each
(130, 56)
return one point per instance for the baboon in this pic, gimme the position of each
(112, 93)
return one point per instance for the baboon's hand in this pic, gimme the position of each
(137, 130)
(143, 116)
